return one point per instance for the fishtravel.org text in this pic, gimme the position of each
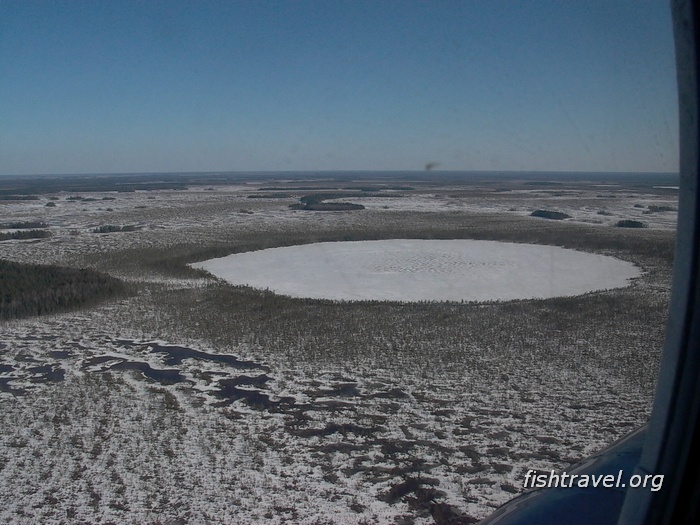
(535, 479)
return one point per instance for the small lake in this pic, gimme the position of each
(423, 270)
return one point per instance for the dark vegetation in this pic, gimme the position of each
(548, 214)
(654, 209)
(80, 198)
(24, 225)
(28, 188)
(318, 198)
(315, 202)
(18, 198)
(378, 188)
(30, 289)
(629, 223)
(361, 333)
(421, 496)
(272, 195)
(111, 228)
(328, 206)
(298, 188)
(25, 234)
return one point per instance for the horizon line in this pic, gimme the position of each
(262, 172)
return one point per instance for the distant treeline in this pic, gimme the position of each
(328, 206)
(24, 225)
(297, 188)
(25, 234)
(654, 209)
(29, 188)
(318, 198)
(273, 195)
(292, 187)
(111, 228)
(31, 289)
(628, 223)
(380, 188)
(548, 214)
(18, 197)
(315, 202)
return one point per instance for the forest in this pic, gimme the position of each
(25, 234)
(33, 289)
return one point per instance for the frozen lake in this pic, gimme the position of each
(423, 270)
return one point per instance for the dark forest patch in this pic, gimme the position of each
(32, 289)
(548, 214)
(628, 223)
(316, 202)
(25, 234)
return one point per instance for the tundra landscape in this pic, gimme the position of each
(166, 394)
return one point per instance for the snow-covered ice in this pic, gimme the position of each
(419, 270)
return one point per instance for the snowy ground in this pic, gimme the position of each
(196, 402)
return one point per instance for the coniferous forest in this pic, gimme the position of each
(32, 289)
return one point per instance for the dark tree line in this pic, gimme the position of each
(30, 289)
(548, 214)
(315, 202)
(24, 225)
(629, 223)
(328, 206)
(318, 198)
(111, 228)
(19, 198)
(25, 234)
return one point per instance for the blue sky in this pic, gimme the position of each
(116, 86)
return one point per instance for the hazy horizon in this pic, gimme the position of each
(360, 173)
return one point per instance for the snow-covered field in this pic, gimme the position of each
(423, 270)
(193, 401)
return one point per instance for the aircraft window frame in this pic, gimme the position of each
(671, 448)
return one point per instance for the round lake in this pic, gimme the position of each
(423, 270)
